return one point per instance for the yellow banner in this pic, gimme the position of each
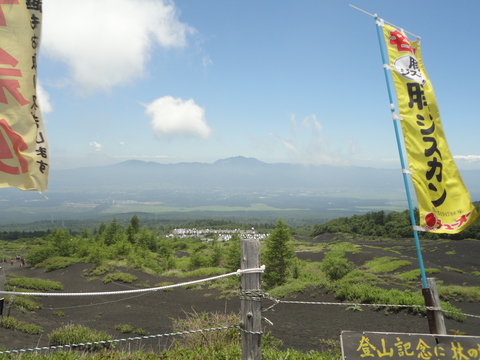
(24, 161)
(443, 200)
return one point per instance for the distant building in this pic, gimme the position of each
(222, 235)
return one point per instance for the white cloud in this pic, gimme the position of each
(206, 61)
(467, 158)
(309, 146)
(174, 116)
(289, 145)
(108, 42)
(43, 99)
(96, 146)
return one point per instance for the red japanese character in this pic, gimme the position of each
(10, 85)
(6, 153)
(463, 219)
(401, 42)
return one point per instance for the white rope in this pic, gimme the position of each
(238, 272)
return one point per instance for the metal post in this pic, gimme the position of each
(402, 161)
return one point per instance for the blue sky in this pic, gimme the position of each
(281, 81)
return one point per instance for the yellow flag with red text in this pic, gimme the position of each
(443, 200)
(24, 161)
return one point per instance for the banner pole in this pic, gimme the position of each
(400, 152)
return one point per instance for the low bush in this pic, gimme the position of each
(367, 294)
(55, 263)
(13, 324)
(344, 247)
(140, 332)
(119, 276)
(291, 287)
(204, 272)
(212, 340)
(415, 274)
(385, 264)
(449, 268)
(459, 293)
(359, 277)
(24, 303)
(335, 265)
(35, 284)
(100, 270)
(78, 334)
(124, 328)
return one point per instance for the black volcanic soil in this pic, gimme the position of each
(299, 326)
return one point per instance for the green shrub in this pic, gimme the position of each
(119, 276)
(415, 274)
(170, 263)
(204, 272)
(140, 332)
(360, 277)
(449, 268)
(197, 260)
(97, 254)
(35, 284)
(367, 294)
(344, 247)
(55, 263)
(311, 272)
(39, 254)
(13, 324)
(213, 340)
(385, 264)
(57, 266)
(24, 303)
(335, 265)
(291, 287)
(100, 270)
(124, 328)
(459, 293)
(78, 334)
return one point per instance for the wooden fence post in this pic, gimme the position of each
(251, 302)
(437, 314)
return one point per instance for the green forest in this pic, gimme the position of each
(393, 225)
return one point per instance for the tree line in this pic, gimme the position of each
(392, 225)
(145, 249)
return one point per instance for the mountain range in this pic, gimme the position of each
(227, 183)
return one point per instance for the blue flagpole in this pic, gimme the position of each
(400, 152)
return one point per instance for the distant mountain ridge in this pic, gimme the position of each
(237, 173)
(236, 187)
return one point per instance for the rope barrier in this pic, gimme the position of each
(253, 295)
(57, 347)
(433, 308)
(239, 272)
